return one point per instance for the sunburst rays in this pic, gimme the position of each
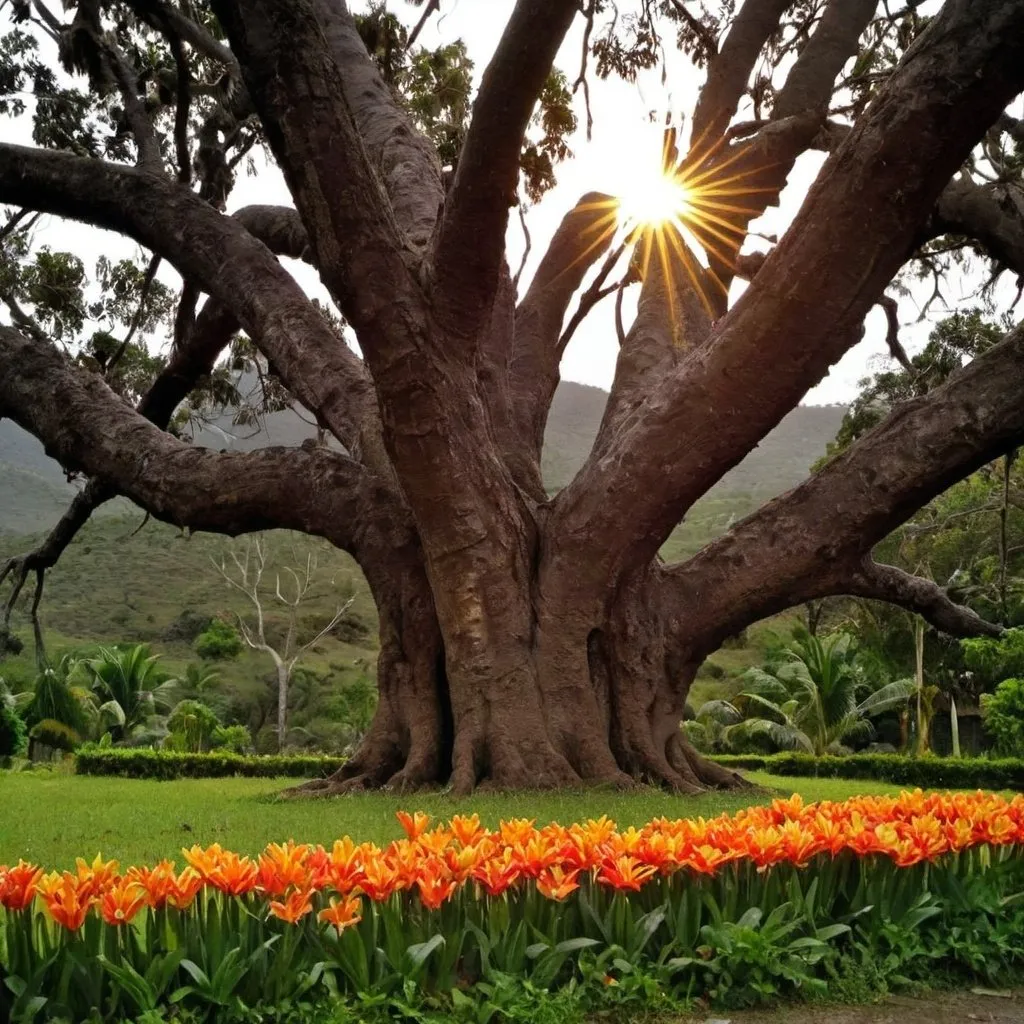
(687, 215)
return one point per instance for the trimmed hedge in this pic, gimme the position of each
(926, 772)
(143, 763)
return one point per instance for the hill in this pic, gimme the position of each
(34, 491)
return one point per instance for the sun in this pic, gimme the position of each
(652, 198)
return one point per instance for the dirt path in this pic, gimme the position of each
(939, 1008)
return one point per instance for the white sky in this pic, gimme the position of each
(624, 144)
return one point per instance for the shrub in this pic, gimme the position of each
(219, 640)
(926, 773)
(192, 725)
(1003, 713)
(234, 739)
(139, 763)
(187, 626)
(55, 735)
(12, 727)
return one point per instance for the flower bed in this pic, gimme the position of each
(769, 901)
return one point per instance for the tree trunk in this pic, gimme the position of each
(282, 703)
(561, 700)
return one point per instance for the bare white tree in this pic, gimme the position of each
(247, 577)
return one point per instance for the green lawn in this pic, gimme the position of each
(53, 818)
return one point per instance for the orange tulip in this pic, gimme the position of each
(223, 869)
(414, 824)
(380, 880)
(497, 873)
(18, 885)
(435, 884)
(186, 888)
(555, 883)
(121, 901)
(67, 899)
(294, 907)
(282, 867)
(158, 882)
(343, 914)
(624, 872)
(97, 876)
(467, 830)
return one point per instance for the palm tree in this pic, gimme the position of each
(817, 699)
(131, 692)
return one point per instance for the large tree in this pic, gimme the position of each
(527, 639)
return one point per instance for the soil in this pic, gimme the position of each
(938, 1008)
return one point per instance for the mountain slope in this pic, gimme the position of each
(34, 492)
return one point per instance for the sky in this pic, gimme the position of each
(624, 146)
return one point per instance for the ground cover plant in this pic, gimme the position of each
(774, 900)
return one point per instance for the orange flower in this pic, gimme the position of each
(556, 883)
(467, 830)
(463, 862)
(436, 840)
(186, 888)
(624, 872)
(223, 869)
(282, 867)
(516, 831)
(414, 824)
(497, 873)
(158, 882)
(97, 876)
(294, 906)
(705, 859)
(435, 884)
(344, 914)
(18, 885)
(67, 899)
(346, 865)
(380, 880)
(121, 901)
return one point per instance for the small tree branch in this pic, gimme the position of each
(432, 7)
(892, 335)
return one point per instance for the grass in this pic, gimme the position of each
(51, 818)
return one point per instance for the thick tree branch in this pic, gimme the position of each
(927, 599)
(582, 238)
(814, 541)
(810, 82)
(991, 214)
(85, 426)
(219, 254)
(471, 244)
(729, 71)
(854, 231)
(404, 159)
(350, 221)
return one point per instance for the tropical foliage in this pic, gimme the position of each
(130, 691)
(815, 698)
(1004, 717)
(736, 909)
